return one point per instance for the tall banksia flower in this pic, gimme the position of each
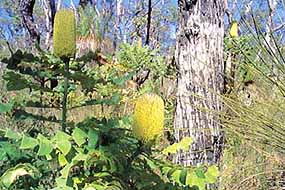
(64, 37)
(148, 117)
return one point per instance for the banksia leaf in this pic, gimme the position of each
(148, 117)
(64, 37)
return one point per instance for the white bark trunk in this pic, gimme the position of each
(49, 9)
(199, 55)
(59, 2)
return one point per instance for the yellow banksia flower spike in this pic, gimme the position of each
(148, 117)
(64, 37)
(234, 30)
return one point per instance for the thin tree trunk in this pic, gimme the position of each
(117, 23)
(50, 9)
(199, 55)
(26, 9)
(59, 2)
(148, 22)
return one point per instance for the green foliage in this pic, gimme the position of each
(108, 156)
(89, 22)
(64, 37)
(6, 107)
(184, 145)
(28, 142)
(135, 57)
(96, 153)
(243, 53)
(254, 115)
(11, 175)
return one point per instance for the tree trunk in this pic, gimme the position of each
(117, 23)
(50, 9)
(148, 22)
(26, 9)
(199, 55)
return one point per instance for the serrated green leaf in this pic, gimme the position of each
(170, 172)
(212, 174)
(93, 138)
(12, 135)
(182, 145)
(15, 81)
(6, 107)
(176, 176)
(45, 146)
(90, 188)
(59, 136)
(185, 143)
(62, 160)
(183, 176)
(200, 173)
(213, 170)
(172, 149)
(61, 184)
(64, 146)
(65, 171)
(3, 155)
(79, 136)
(12, 174)
(62, 142)
(11, 150)
(165, 170)
(80, 157)
(193, 180)
(28, 142)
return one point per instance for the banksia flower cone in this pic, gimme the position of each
(64, 37)
(234, 30)
(148, 117)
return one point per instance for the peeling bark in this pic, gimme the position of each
(199, 55)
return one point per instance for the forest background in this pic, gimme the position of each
(70, 127)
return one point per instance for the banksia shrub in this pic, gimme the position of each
(148, 117)
(64, 37)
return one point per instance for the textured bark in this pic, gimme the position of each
(26, 8)
(50, 9)
(199, 56)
